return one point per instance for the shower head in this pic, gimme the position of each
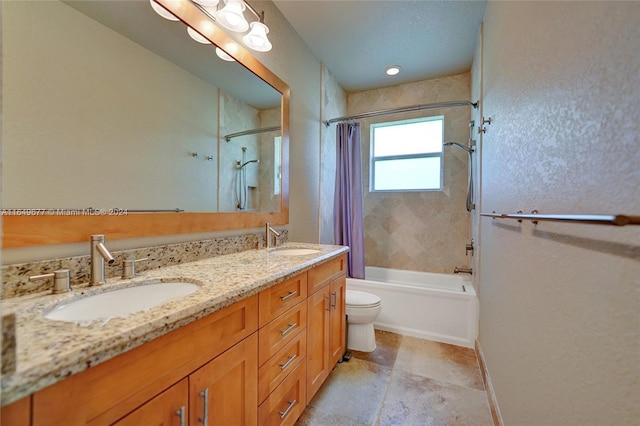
(469, 150)
(247, 162)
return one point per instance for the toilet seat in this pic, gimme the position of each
(360, 299)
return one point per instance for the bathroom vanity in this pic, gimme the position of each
(251, 346)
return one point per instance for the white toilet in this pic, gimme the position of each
(362, 309)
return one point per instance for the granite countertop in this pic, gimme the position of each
(48, 351)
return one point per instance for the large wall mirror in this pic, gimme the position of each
(117, 122)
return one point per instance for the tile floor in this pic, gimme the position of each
(405, 381)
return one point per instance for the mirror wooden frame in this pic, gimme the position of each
(25, 231)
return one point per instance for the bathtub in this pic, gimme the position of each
(438, 307)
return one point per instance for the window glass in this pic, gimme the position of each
(407, 155)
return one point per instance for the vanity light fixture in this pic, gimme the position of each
(162, 11)
(392, 70)
(257, 39)
(207, 3)
(196, 36)
(224, 55)
(231, 17)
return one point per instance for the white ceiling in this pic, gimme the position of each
(358, 39)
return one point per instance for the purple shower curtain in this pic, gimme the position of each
(348, 218)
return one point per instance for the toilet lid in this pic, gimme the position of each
(360, 298)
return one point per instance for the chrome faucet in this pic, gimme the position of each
(457, 270)
(99, 254)
(268, 230)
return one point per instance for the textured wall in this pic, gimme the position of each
(236, 116)
(419, 231)
(293, 62)
(268, 200)
(559, 318)
(334, 104)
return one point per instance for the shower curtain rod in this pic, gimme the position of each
(402, 109)
(251, 132)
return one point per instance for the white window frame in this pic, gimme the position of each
(373, 159)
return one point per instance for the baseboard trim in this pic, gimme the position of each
(491, 395)
(406, 331)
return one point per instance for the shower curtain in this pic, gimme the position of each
(348, 217)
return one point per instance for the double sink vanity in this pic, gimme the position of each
(244, 338)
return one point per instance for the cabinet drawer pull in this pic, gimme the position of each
(288, 329)
(180, 413)
(288, 295)
(335, 299)
(288, 362)
(205, 412)
(284, 413)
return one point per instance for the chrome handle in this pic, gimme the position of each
(288, 329)
(284, 413)
(288, 295)
(129, 267)
(334, 295)
(205, 412)
(60, 277)
(180, 413)
(288, 362)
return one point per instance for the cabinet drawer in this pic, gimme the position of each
(281, 364)
(286, 403)
(275, 335)
(323, 274)
(278, 299)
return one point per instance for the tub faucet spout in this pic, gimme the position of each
(457, 270)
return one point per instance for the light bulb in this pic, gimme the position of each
(257, 39)
(160, 10)
(392, 70)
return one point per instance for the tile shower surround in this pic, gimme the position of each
(16, 282)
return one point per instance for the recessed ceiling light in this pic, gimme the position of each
(392, 70)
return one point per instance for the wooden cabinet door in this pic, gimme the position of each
(225, 390)
(318, 311)
(170, 408)
(17, 413)
(337, 323)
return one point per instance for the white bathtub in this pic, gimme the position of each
(438, 307)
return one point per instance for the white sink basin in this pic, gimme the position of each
(119, 303)
(294, 252)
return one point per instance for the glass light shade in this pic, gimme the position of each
(257, 39)
(231, 16)
(207, 3)
(197, 36)
(162, 11)
(223, 55)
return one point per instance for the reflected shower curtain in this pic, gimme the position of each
(348, 217)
